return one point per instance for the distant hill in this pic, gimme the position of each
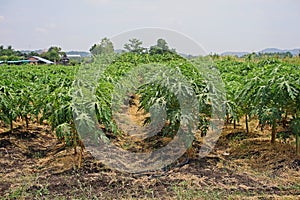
(39, 51)
(233, 53)
(81, 53)
(294, 52)
(272, 50)
(119, 50)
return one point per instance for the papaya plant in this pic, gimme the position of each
(270, 89)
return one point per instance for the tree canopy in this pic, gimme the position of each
(134, 45)
(161, 47)
(105, 47)
(54, 53)
(9, 54)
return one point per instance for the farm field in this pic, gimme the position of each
(256, 157)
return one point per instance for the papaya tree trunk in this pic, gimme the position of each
(11, 126)
(273, 136)
(260, 125)
(247, 125)
(27, 121)
(298, 145)
(227, 119)
(284, 120)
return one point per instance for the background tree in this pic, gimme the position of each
(7, 54)
(161, 47)
(53, 54)
(105, 47)
(134, 45)
(32, 53)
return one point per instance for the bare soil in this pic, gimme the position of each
(35, 165)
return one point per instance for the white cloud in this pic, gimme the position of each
(1, 18)
(46, 28)
(99, 1)
(41, 30)
(51, 26)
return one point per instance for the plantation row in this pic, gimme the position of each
(35, 93)
(266, 89)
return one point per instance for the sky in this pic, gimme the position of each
(214, 25)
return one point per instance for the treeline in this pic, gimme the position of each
(9, 53)
(54, 54)
(134, 45)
